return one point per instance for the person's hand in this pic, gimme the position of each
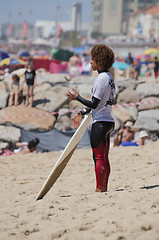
(72, 95)
(21, 88)
(76, 120)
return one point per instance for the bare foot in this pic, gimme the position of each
(100, 190)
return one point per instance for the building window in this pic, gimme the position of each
(113, 5)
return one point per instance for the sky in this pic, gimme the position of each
(18, 10)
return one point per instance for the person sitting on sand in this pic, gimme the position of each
(14, 90)
(126, 134)
(137, 142)
(32, 147)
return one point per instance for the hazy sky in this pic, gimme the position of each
(41, 10)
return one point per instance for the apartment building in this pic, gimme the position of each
(112, 16)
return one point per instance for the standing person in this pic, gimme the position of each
(129, 60)
(30, 75)
(101, 106)
(156, 67)
(74, 63)
(14, 90)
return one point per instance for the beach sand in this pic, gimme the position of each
(72, 210)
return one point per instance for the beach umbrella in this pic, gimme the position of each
(3, 55)
(20, 72)
(150, 51)
(23, 54)
(121, 65)
(12, 62)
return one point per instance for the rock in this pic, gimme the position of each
(52, 78)
(62, 112)
(42, 87)
(148, 106)
(76, 105)
(133, 111)
(117, 123)
(148, 89)
(65, 123)
(3, 95)
(148, 120)
(10, 134)
(127, 96)
(153, 114)
(126, 83)
(122, 114)
(27, 118)
(51, 100)
(147, 124)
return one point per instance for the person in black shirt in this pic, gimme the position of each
(156, 67)
(30, 75)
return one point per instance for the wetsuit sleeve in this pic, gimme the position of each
(90, 104)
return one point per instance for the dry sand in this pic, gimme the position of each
(72, 210)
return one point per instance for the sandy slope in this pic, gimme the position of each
(72, 210)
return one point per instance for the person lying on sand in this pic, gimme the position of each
(137, 142)
(126, 134)
(32, 147)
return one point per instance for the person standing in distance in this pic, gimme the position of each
(30, 75)
(101, 105)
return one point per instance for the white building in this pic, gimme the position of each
(76, 17)
(145, 24)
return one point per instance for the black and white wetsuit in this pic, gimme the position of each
(103, 124)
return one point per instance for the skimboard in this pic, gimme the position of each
(65, 157)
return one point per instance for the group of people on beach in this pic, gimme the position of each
(103, 90)
(16, 89)
(139, 67)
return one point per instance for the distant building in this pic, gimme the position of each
(112, 16)
(76, 17)
(145, 23)
(45, 29)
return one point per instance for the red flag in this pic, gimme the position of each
(58, 30)
(10, 30)
(25, 29)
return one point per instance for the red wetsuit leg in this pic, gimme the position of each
(107, 166)
(101, 166)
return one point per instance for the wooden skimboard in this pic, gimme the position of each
(65, 157)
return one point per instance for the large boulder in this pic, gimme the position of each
(52, 78)
(148, 120)
(128, 96)
(150, 103)
(65, 123)
(27, 118)
(51, 100)
(9, 134)
(126, 83)
(148, 89)
(122, 114)
(3, 95)
(42, 87)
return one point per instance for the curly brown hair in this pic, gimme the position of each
(103, 55)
